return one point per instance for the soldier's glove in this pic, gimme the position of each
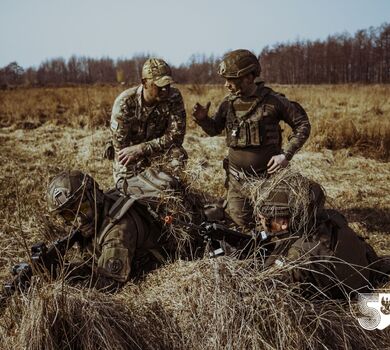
(109, 151)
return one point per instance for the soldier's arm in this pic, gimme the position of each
(118, 250)
(174, 134)
(214, 126)
(295, 116)
(120, 122)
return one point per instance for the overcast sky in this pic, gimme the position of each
(34, 30)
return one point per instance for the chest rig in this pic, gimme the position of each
(252, 124)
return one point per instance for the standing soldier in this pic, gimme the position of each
(147, 121)
(251, 114)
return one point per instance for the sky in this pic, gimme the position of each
(32, 31)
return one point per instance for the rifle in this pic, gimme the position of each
(214, 233)
(43, 259)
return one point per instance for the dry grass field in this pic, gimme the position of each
(205, 304)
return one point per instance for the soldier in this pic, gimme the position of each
(328, 256)
(147, 121)
(251, 114)
(121, 235)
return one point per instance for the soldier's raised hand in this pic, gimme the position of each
(200, 112)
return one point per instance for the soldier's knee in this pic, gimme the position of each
(241, 217)
(177, 157)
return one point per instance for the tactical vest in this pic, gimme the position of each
(258, 126)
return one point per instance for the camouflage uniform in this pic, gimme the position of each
(333, 258)
(159, 129)
(253, 136)
(118, 232)
(130, 247)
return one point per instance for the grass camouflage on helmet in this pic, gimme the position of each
(277, 203)
(290, 194)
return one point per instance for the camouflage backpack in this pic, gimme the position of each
(148, 188)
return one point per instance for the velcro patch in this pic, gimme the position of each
(114, 262)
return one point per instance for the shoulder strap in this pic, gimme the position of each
(264, 92)
(117, 211)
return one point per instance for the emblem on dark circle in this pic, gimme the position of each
(114, 265)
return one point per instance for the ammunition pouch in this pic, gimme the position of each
(259, 126)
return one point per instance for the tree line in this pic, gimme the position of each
(341, 58)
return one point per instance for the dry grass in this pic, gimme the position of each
(343, 116)
(205, 304)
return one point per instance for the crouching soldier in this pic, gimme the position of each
(148, 124)
(122, 237)
(326, 255)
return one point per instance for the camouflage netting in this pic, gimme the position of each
(206, 304)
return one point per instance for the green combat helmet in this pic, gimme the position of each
(277, 203)
(237, 63)
(157, 70)
(301, 204)
(72, 193)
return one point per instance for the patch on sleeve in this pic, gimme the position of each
(114, 125)
(114, 265)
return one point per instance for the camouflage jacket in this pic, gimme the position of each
(157, 128)
(130, 246)
(336, 259)
(254, 121)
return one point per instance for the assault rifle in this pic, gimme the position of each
(43, 259)
(216, 233)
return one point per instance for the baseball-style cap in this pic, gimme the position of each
(157, 70)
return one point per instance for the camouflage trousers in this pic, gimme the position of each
(239, 206)
(172, 161)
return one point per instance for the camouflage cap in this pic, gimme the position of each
(157, 70)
